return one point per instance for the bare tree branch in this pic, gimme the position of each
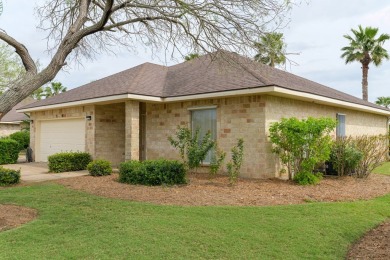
(22, 51)
(79, 29)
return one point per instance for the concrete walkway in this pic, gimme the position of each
(37, 172)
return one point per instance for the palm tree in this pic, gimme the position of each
(38, 94)
(365, 48)
(383, 101)
(55, 88)
(271, 50)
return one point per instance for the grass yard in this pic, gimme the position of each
(383, 169)
(76, 225)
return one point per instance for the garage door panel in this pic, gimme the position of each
(61, 136)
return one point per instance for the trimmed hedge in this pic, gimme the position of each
(8, 176)
(152, 172)
(22, 137)
(69, 161)
(99, 168)
(9, 151)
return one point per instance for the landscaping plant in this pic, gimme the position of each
(152, 172)
(193, 149)
(217, 160)
(68, 161)
(22, 137)
(345, 157)
(307, 178)
(302, 144)
(8, 176)
(99, 168)
(234, 165)
(374, 151)
(9, 151)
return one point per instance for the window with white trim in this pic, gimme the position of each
(206, 121)
(340, 129)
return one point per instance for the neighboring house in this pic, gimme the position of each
(130, 115)
(13, 121)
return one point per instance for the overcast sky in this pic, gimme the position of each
(315, 31)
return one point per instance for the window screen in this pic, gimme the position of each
(206, 121)
(340, 130)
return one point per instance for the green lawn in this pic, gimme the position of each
(76, 225)
(383, 169)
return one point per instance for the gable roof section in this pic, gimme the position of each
(13, 117)
(217, 72)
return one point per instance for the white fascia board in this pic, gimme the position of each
(91, 101)
(11, 123)
(271, 90)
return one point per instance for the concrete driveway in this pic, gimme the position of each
(37, 172)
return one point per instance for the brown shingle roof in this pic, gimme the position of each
(217, 72)
(15, 117)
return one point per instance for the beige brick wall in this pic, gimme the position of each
(239, 117)
(110, 132)
(357, 123)
(72, 112)
(7, 129)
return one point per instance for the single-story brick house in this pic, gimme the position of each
(13, 121)
(129, 115)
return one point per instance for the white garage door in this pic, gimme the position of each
(60, 136)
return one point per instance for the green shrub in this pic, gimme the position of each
(9, 151)
(152, 172)
(307, 178)
(22, 137)
(8, 176)
(234, 165)
(193, 149)
(302, 144)
(99, 168)
(374, 151)
(345, 157)
(217, 161)
(69, 161)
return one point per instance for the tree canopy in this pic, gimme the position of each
(383, 101)
(10, 67)
(271, 50)
(365, 48)
(83, 28)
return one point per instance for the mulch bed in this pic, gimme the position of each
(203, 191)
(374, 245)
(12, 216)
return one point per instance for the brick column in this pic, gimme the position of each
(132, 130)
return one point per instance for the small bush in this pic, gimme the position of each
(307, 178)
(22, 137)
(193, 149)
(69, 161)
(99, 168)
(217, 161)
(8, 176)
(374, 150)
(345, 157)
(9, 151)
(302, 144)
(152, 172)
(234, 165)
